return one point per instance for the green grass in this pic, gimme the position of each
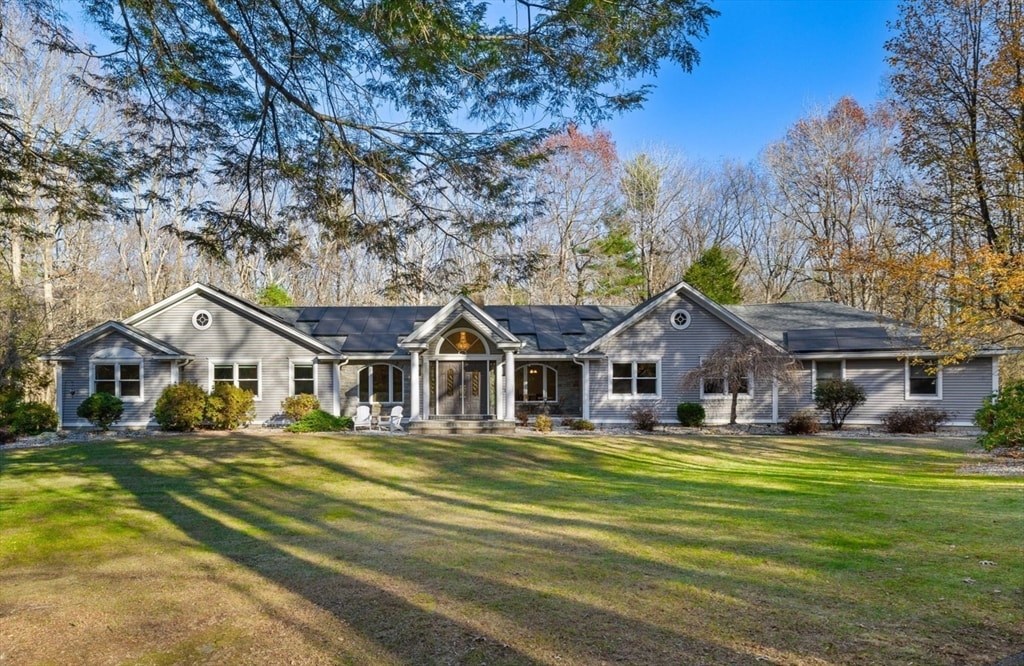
(529, 550)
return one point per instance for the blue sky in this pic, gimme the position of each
(764, 65)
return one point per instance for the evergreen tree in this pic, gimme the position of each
(714, 276)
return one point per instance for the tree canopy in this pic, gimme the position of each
(714, 275)
(337, 110)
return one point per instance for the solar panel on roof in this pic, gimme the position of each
(589, 313)
(370, 342)
(378, 320)
(569, 321)
(853, 339)
(355, 321)
(549, 341)
(311, 314)
(520, 320)
(838, 339)
(499, 312)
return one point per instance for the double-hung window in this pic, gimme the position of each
(634, 378)
(718, 387)
(243, 374)
(303, 382)
(923, 381)
(826, 371)
(120, 378)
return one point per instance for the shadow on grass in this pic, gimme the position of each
(236, 505)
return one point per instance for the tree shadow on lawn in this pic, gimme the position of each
(261, 523)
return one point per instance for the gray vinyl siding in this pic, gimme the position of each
(883, 380)
(653, 338)
(76, 385)
(232, 336)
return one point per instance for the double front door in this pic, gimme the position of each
(461, 388)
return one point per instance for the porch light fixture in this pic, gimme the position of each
(463, 344)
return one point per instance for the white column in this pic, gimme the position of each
(499, 401)
(414, 388)
(775, 400)
(426, 388)
(336, 388)
(58, 369)
(510, 386)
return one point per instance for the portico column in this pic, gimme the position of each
(414, 388)
(510, 386)
(499, 402)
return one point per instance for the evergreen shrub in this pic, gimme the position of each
(101, 409)
(690, 414)
(318, 420)
(229, 407)
(296, 407)
(582, 424)
(1001, 419)
(838, 397)
(543, 423)
(180, 407)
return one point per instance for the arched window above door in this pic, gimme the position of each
(462, 342)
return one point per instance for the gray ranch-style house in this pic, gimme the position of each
(464, 362)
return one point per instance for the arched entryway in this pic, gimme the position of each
(461, 382)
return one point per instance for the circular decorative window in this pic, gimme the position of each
(680, 319)
(201, 319)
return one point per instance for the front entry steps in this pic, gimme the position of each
(435, 426)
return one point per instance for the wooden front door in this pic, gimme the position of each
(462, 388)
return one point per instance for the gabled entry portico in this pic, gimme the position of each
(462, 366)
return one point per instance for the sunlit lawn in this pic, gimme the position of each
(525, 550)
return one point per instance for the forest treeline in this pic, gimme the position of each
(909, 206)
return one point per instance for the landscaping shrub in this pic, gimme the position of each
(32, 418)
(229, 407)
(320, 421)
(542, 423)
(838, 397)
(180, 407)
(101, 409)
(582, 424)
(690, 414)
(10, 398)
(6, 436)
(644, 418)
(567, 421)
(296, 407)
(914, 421)
(522, 418)
(1002, 419)
(804, 422)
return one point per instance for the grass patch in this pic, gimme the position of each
(529, 550)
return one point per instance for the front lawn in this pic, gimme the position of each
(277, 549)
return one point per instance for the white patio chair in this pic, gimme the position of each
(393, 421)
(362, 418)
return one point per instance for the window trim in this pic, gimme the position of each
(814, 371)
(235, 362)
(633, 395)
(683, 326)
(521, 387)
(292, 362)
(391, 384)
(117, 362)
(195, 319)
(907, 395)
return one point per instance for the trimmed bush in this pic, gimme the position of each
(582, 424)
(101, 409)
(296, 407)
(32, 418)
(229, 407)
(320, 421)
(690, 414)
(543, 423)
(914, 421)
(838, 397)
(1002, 419)
(180, 407)
(644, 418)
(804, 422)
(6, 436)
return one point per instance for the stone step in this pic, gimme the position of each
(461, 427)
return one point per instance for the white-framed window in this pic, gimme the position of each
(120, 377)
(680, 319)
(244, 374)
(536, 383)
(381, 383)
(634, 379)
(823, 371)
(303, 376)
(719, 387)
(922, 380)
(201, 319)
